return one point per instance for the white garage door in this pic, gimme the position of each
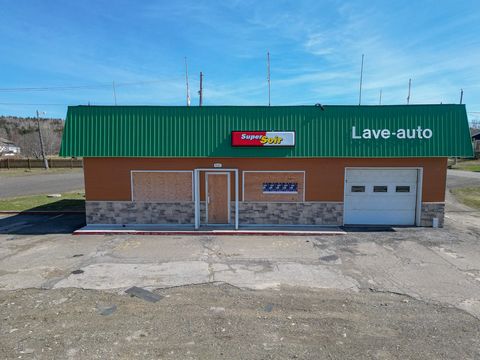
(380, 196)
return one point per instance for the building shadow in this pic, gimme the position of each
(368, 228)
(60, 217)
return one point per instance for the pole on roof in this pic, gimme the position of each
(200, 92)
(380, 99)
(114, 93)
(268, 75)
(361, 80)
(42, 149)
(186, 80)
(409, 88)
(461, 95)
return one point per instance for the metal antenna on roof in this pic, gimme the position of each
(114, 93)
(461, 95)
(186, 80)
(380, 99)
(409, 88)
(200, 92)
(268, 75)
(361, 80)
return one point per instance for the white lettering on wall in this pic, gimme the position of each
(418, 133)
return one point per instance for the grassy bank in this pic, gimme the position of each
(468, 165)
(73, 201)
(469, 196)
(34, 172)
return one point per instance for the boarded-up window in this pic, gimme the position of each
(161, 186)
(290, 186)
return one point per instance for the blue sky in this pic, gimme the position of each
(315, 46)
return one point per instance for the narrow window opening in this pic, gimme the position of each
(358, 189)
(402, 189)
(380, 188)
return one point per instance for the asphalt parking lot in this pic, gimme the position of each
(70, 180)
(403, 293)
(360, 295)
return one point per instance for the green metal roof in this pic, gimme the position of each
(178, 131)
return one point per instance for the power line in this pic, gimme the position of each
(31, 104)
(71, 87)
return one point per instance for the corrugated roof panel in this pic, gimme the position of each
(175, 131)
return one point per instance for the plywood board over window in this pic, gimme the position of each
(254, 181)
(162, 186)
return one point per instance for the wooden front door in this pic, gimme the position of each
(218, 197)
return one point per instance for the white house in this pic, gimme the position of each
(8, 148)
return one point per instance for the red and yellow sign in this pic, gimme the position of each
(263, 138)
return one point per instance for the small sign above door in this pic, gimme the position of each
(263, 138)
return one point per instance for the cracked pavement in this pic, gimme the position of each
(432, 265)
(408, 293)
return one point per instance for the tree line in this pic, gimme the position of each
(23, 132)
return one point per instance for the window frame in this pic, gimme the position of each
(161, 171)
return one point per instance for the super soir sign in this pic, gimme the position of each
(263, 138)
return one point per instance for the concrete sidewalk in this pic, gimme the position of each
(209, 230)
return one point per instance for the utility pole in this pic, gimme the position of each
(200, 92)
(409, 88)
(380, 100)
(45, 161)
(186, 80)
(461, 95)
(361, 80)
(268, 75)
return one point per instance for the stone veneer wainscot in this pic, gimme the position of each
(269, 213)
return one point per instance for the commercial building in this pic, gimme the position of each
(231, 166)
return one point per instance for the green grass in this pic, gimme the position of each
(30, 172)
(474, 168)
(468, 165)
(74, 201)
(469, 196)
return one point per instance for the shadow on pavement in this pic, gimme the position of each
(41, 224)
(66, 205)
(367, 228)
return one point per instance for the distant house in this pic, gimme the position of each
(8, 148)
(475, 133)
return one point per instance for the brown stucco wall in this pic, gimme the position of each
(109, 178)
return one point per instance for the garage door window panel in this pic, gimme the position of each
(357, 189)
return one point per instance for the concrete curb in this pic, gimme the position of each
(213, 232)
